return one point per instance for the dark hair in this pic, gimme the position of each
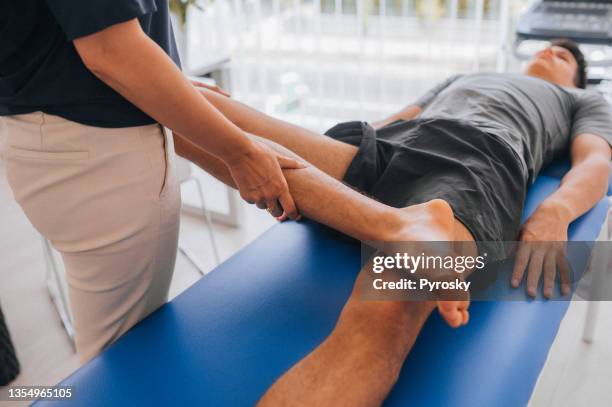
(580, 79)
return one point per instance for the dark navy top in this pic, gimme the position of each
(40, 69)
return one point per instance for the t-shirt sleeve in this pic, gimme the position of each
(79, 18)
(431, 94)
(593, 115)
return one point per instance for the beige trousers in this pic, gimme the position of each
(108, 201)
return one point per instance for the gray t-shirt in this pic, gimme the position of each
(537, 118)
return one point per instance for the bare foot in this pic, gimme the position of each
(427, 222)
(435, 221)
(455, 313)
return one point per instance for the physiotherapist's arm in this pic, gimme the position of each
(127, 60)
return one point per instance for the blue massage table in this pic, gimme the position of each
(226, 339)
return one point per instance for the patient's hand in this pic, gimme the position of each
(542, 251)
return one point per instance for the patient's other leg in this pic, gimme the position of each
(360, 361)
(329, 155)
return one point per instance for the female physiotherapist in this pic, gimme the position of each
(84, 87)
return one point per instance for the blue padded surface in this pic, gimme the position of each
(227, 338)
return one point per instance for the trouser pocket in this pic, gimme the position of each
(159, 149)
(16, 152)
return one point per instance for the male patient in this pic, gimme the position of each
(454, 166)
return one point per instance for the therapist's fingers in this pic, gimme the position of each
(536, 262)
(274, 208)
(214, 88)
(550, 271)
(284, 217)
(520, 263)
(288, 205)
(288, 163)
(286, 200)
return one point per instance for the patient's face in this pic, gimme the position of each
(554, 64)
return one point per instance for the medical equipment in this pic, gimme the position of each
(584, 21)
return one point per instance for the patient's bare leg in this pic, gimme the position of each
(358, 364)
(332, 203)
(330, 156)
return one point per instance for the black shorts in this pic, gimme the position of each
(411, 162)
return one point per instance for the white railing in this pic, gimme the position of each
(318, 62)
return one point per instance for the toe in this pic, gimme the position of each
(466, 317)
(450, 313)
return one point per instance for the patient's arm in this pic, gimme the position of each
(581, 188)
(586, 182)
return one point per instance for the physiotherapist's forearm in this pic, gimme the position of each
(127, 60)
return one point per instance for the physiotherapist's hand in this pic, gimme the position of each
(258, 176)
(214, 88)
(541, 251)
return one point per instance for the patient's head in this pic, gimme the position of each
(561, 63)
